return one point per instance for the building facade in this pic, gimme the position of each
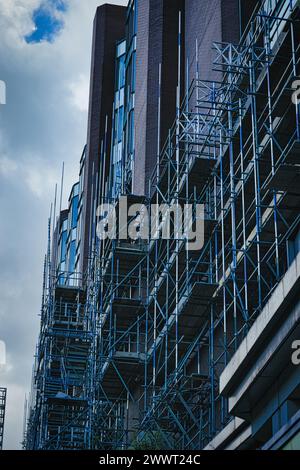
(182, 349)
(108, 28)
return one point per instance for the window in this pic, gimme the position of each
(120, 66)
(120, 123)
(130, 75)
(131, 133)
(63, 252)
(121, 74)
(74, 211)
(131, 25)
(72, 256)
(293, 247)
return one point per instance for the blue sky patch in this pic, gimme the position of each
(47, 23)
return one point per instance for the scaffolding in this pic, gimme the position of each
(133, 353)
(59, 406)
(116, 300)
(234, 148)
(3, 393)
(168, 320)
(59, 419)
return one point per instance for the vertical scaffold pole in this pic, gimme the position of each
(255, 146)
(177, 197)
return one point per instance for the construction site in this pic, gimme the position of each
(149, 344)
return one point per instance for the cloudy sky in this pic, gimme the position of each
(44, 60)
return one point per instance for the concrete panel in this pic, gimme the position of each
(236, 426)
(260, 328)
(274, 360)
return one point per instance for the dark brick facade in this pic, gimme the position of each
(157, 41)
(209, 21)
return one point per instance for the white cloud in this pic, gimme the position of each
(40, 180)
(42, 125)
(80, 93)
